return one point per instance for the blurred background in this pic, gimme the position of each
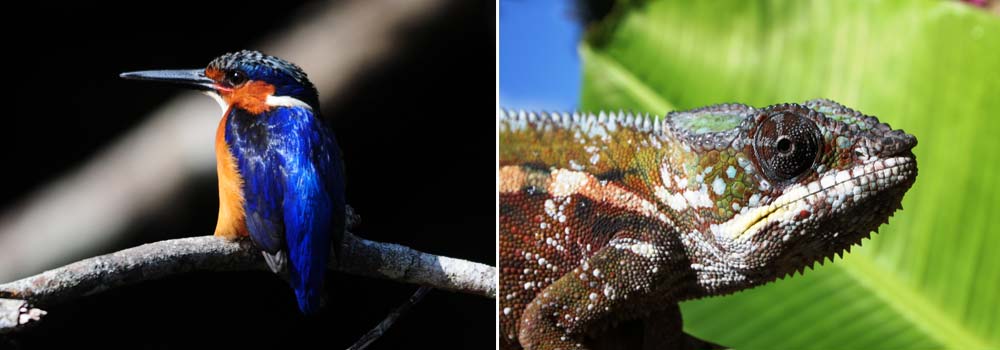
(95, 164)
(930, 278)
(539, 66)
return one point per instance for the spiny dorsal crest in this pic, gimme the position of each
(520, 118)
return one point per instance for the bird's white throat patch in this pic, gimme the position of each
(218, 99)
(271, 100)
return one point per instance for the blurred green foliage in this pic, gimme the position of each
(931, 278)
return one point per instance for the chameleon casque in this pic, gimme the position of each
(615, 217)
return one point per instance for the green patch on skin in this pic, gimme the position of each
(709, 123)
(843, 142)
(725, 165)
(843, 118)
(739, 190)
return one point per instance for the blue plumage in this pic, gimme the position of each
(293, 189)
(280, 172)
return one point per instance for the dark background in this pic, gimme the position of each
(418, 136)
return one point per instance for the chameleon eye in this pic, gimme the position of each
(786, 145)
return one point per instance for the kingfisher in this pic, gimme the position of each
(281, 175)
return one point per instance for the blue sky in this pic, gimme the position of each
(539, 64)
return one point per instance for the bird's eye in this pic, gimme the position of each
(786, 145)
(235, 78)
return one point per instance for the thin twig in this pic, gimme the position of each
(207, 253)
(383, 326)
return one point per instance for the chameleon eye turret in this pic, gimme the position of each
(786, 144)
(615, 217)
(281, 178)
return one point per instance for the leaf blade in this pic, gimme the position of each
(927, 67)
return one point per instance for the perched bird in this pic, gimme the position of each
(281, 177)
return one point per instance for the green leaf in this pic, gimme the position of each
(931, 278)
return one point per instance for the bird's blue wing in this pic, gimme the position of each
(294, 193)
(313, 204)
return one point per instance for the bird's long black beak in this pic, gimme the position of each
(194, 78)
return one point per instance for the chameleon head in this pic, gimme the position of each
(774, 190)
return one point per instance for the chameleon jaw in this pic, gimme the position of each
(831, 190)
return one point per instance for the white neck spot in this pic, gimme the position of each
(286, 101)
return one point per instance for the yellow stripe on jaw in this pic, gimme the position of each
(745, 225)
(890, 171)
(740, 224)
(759, 224)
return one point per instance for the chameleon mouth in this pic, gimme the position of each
(830, 193)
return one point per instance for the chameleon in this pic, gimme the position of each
(612, 219)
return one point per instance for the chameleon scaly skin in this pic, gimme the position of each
(617, 217)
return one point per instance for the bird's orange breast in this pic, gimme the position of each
(232, 220)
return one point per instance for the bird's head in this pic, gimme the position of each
(248, 80)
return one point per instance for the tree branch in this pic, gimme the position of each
(207, 253)
(336, 42)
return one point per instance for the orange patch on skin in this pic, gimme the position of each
(512, 178)
(515, 178)
(232, 219)
(563, 182)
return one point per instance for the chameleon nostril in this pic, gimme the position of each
(898, 141)
(910, 141)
